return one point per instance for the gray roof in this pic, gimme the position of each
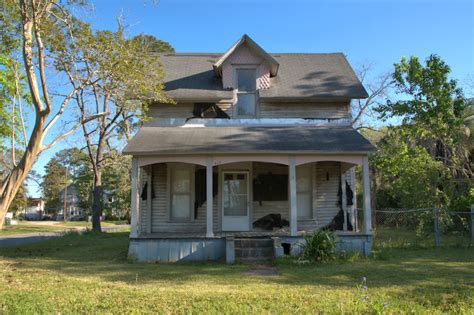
(300, 76)
(248, 139)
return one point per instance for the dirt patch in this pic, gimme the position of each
(263, 271)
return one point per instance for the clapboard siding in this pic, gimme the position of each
(182, 110)
(326, 110)
(325, 199)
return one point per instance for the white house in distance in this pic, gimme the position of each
(257, 152)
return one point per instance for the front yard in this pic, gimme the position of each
(89, 273)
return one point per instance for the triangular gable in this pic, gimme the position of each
(254, 47)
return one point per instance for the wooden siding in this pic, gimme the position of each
(326, 110)
(325, 199)
(182, 110)
(320, 110)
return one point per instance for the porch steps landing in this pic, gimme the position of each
(250, 249)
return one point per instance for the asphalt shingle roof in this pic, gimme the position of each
(247, 139)
(191, 77)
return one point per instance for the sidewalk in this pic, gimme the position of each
(21, 239)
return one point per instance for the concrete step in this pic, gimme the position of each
(254, 249)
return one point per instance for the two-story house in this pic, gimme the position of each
(257, 151)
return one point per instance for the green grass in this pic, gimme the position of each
(89, 273)
(30, 227)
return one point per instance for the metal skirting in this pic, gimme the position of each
(223, 248)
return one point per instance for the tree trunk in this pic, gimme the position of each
(13, 181)
(97, 201)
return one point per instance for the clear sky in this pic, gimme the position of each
(367, 31)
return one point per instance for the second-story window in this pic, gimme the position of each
(246, 92)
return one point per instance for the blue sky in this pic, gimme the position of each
(376, 32)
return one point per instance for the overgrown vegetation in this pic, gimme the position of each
(319, 247)
(90, 274)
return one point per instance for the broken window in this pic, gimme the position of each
(270, 187)
(208, 110)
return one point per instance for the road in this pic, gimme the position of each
(21, 239)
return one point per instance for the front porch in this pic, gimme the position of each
(197, 206)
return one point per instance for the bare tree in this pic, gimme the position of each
(378, 88)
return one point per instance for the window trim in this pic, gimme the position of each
(237, 92)
(191, 169)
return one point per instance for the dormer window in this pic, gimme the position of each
(246, 79)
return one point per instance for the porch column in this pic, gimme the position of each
(134, 200)
(293, 206)
(149, 200)
(367, 206)
(209, 202)
(344, 198)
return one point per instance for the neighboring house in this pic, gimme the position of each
(35, 209)
(250, 158)
(72, 202)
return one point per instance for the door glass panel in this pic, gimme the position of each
(246, 80)
(246, 104)
(180, 206)
(235, 195)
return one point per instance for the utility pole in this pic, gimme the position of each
(65, 199)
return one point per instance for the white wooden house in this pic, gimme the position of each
(253, 155)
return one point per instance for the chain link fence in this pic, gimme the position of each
(404, 228)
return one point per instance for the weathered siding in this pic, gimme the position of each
(325, 198)
(326, 110)
(182, 110)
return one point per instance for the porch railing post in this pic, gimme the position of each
(367, 206)
(134, 200)
(209, 202)
(293, 206)
(149, 201)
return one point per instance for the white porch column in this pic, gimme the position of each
(134, 200)
(149, 200)
(293, 206)
(367, 209)
(209, 202)
(344, 198)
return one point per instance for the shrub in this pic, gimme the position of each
(319, 247)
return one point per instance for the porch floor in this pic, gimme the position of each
(263, 233)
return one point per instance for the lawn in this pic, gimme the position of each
(89, 273)
(50, 226)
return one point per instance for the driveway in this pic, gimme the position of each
(21, 239)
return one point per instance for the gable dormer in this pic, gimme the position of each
(246, 54)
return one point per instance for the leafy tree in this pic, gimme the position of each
(125, 78)
(152, 44)
(426, 160)
(36, 26)
(75, 163)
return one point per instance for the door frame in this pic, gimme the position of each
(221, 188)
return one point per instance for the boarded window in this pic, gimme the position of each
(270, 187)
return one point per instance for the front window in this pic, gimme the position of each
(246, 92)
(304, 191)
(180, 190)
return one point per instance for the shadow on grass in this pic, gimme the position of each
(105, 256)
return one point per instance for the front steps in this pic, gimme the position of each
(251, 249)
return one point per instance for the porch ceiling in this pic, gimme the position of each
(248, 140)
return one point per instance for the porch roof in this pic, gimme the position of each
(248, 140)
